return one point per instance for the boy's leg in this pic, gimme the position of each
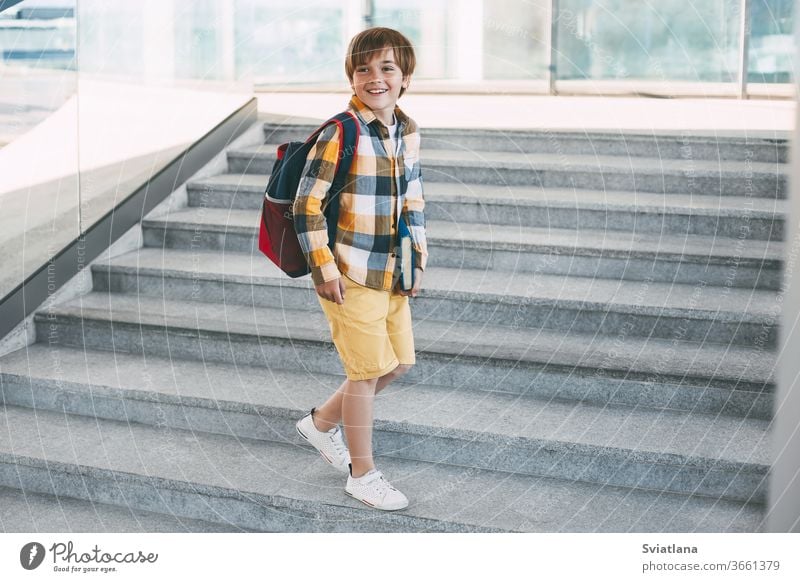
(357, 401)
(328, 415)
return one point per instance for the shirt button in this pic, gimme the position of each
(393, 255)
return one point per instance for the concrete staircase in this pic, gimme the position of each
(596, 348)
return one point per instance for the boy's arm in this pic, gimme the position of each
(413, 207)
(309, 222)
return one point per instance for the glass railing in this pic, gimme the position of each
(39, 163)
(153, 78)
(96, 98)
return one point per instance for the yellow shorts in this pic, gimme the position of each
(371, 330)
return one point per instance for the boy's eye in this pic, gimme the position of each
(364, 69)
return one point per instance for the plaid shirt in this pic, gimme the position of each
(380, 186)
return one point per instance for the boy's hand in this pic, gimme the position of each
(417, 284)
(332, 290)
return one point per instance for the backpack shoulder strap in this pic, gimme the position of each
(348, 144)
(348, 139)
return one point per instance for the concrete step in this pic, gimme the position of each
(28, 512)
(668, 213)
(755, 147)
(592, 172)
(587, 253)
(569, 366)
(681, 452)
(272, 486)
(525, 301)
(729, 217)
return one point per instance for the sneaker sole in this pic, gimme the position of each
(323, 455)
(367, 503)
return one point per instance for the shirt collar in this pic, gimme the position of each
(368, 116)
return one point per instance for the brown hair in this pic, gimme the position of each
(367, 42)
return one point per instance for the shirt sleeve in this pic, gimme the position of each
(309, 221)
(413, 207)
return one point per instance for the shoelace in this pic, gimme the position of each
(380, 485)
(338, 443)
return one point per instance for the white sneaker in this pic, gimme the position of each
(374, 490)
(329, 444)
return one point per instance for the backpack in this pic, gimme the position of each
(277, 237)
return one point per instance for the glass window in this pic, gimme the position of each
(645, 39)
(426, 24)
(515, 39)
(108, 33)
(511, 36)
(300, 42)
(771, 53)
(198, 40)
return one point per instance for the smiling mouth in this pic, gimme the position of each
(376, 91)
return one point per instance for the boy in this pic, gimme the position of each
(369, 315)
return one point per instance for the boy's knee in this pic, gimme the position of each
(363, 386)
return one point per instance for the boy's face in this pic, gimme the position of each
(378, 84)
